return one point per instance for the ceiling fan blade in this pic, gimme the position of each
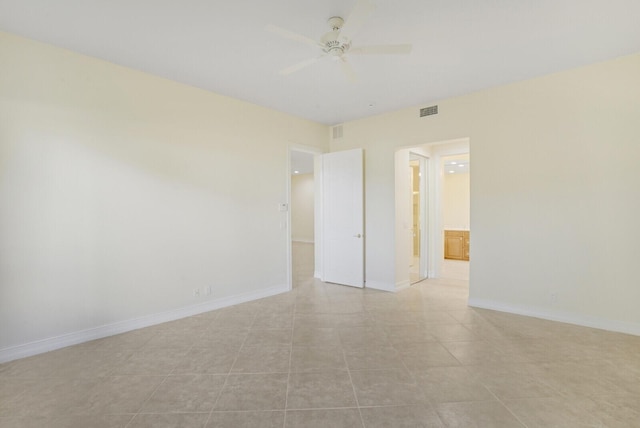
(348, 70)
(381, 49)
(357, 17)
(293, 36)
(301, 65)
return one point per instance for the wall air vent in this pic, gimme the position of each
(336, 132)
(428, 111)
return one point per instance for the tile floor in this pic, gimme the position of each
(330, 356)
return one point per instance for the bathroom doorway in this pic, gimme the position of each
(418, 250)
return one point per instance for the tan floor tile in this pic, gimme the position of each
(190, 325)
(474, 353)
(468, 316)
(269, 337)
(408, 334)
(174, 339)
(253, 392)
(93, 421)
(334, 418)
(332, 320)
(425, 355)
(258, 359)
(264, 419)
(314, 320)
(619, 411)
(386, 388)
(452, 333)
(122, 394)
(232, 321)
(316, 336)
(392, 317)
(513, 381)
(207, 361)
(357, 337)
(478, 414)
(273, 320)
(451, 384)
(552, 412)
(581, 379)
(53, 397)
(12, 388)
(316, 305)
(166, 420)
(433, 317)
(26, 422)
(225, 338)
(400, 417)
(248, 309)
(320, 390)
(93, 364)
(624, 374)
(43, 365)
(152, 361)
(552, 374)
(487, 331)
(185, 394)
(373, 357)
(310, 359)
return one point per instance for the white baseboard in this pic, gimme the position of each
(569, 318)
(377, 285)
(74, 338)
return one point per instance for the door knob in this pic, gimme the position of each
(357, 236)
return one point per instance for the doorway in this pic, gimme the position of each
(456, 215)
(432, 223)
(302, 218)
(419, 225)
(336, 220)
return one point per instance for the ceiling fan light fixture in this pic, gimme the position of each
(336, 43)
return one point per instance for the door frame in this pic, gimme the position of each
(434, 151)
(425, 255)
(317, 183)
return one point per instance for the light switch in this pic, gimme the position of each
(283, 207)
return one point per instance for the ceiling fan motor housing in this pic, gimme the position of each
(332, 44)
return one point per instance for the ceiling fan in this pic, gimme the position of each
(336, 43)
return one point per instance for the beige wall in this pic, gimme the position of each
(121, 193)
(455, 201)
(552, 206)
(302, 207)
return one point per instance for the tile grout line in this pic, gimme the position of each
(353, 387)
(155, 389)
(286, 395)
(505, 406)
(147, 399)
(224, 384)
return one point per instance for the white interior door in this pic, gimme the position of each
(343, 218)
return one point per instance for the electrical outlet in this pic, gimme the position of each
(553, 296)
(207, 290)
(196, 292)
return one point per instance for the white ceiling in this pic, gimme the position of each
(459, 46)
(456, 164)
(301, 162)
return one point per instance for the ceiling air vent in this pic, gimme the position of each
(428, 111)
(336, 132)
